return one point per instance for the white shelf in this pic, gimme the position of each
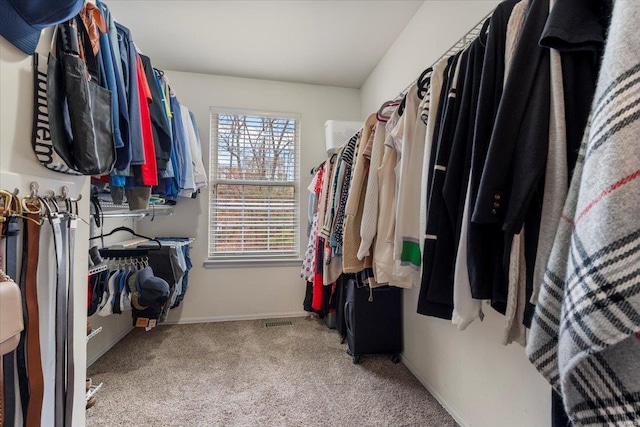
(93, 390)
(113, 206)
(111, 210)
(94, 333)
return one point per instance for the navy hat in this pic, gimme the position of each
(21, 21)
(152, 291)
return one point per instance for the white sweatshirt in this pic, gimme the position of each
(407, 254)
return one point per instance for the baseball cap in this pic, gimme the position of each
(21, 21)
(152, 291)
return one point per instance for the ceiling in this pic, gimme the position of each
(324, 42)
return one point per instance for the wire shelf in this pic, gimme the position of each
(93, 390)
(463, 42)
(94, 333)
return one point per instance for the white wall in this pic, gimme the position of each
(478, 380)
(248, 292)
(17, 157)
(116, 326)
(435, 27)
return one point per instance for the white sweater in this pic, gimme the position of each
(407, 254)
(355, 202)
(384, 244)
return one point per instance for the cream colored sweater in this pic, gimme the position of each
(355, 202)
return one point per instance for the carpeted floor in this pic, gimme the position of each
(243, 374)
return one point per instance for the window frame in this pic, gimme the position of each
(214, 260)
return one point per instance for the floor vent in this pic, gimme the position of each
(280, 323)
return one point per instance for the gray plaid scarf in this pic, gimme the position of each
(583, 334)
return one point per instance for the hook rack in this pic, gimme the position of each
(44, 204)
(33, 188)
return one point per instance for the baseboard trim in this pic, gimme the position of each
(452, 410)
(101, 352)
(231, 318)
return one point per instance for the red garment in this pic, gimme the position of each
(89, 292)
(318, 286)
(318, 292)
(149, 170)
(318, 187)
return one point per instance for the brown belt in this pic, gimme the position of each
(34, 360)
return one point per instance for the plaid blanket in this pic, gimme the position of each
(588, 312)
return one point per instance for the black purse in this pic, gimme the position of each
(86, 108)
(56, 103)
(49, 140)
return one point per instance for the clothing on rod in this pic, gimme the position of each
(156, 141)
(458, 185)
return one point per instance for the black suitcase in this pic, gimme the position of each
(373, 327)
(341, 298)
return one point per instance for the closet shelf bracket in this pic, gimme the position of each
(93, 390)
(98, 269)
(94, 333)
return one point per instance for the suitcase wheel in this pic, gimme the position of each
(395, 358)
(356, 359)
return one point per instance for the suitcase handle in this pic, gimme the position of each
(347, 312)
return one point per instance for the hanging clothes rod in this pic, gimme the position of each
(463, 42)
(164, 212)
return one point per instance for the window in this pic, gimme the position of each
(254, 185)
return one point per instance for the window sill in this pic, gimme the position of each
(256, 263)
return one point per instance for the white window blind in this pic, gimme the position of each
(254, 207)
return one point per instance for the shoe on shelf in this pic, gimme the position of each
(91, 402)
(88, 386)
(89, 328)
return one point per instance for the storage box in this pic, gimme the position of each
(338, 132)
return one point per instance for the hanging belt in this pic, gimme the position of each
(9, 359)
(3, 256)
(34, 361)
(61, 310)
(73, 224)
(21, 350)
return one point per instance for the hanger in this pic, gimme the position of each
(317, 168)
(387, 104)
(127, 229)
(402, 105)
(423, 83)
(131, 252)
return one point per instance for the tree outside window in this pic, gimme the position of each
(254, 172)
